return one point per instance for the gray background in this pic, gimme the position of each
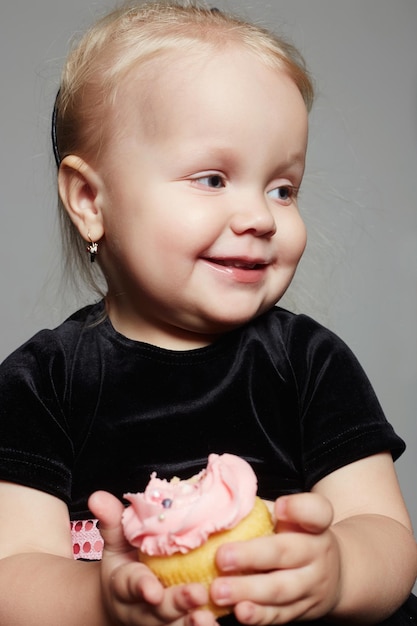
(359, 274)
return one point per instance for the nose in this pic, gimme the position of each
(254, 217)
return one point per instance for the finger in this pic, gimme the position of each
(134, 583)
(143, 596)
(179, 601)
(263, 554)
(274, 589)
(271, 589)
(310, 512)
(108, 510)
(185, 598)
(200, 618)
(258, 615)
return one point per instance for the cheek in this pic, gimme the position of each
(189, 234)
(302, 238)
(292, 240)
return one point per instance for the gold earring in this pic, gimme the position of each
(92, 249)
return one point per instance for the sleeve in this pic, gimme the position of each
(35, 446)
(341, 418)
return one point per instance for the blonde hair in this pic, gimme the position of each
(133, 34)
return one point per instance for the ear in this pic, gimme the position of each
(80, 189)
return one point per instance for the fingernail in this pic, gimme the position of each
(248, 613)
(226, 559)
(221, 590)
(281, 507)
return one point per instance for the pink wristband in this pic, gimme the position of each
(87, 543)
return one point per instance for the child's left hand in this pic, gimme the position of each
(130, 592)
(294, 574)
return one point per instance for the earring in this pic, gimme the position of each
(92, 249)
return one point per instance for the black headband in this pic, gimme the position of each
(53, 132)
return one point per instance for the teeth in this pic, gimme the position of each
(239, 264)
(249, 266)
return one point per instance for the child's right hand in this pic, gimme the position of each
(131, 592)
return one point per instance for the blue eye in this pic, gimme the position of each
(285, 193)
(214, 181)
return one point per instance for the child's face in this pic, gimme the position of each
(201, 225)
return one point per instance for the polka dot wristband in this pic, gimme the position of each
(87, 542)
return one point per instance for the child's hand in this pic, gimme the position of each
(131, 592)
(294, 574)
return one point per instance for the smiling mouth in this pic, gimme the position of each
(238, 263)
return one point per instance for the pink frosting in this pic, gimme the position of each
(179, 515)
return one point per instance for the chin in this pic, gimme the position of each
(225, 323)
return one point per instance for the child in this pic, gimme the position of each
(180, 135)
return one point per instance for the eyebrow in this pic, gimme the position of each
(225, 156)
(222, 155)
(294, 161)
(291, 159)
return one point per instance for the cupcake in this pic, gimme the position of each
(178, 525)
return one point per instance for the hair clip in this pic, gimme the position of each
(53, 131)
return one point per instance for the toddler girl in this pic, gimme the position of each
(180, 135)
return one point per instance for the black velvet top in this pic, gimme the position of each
(84, 408)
